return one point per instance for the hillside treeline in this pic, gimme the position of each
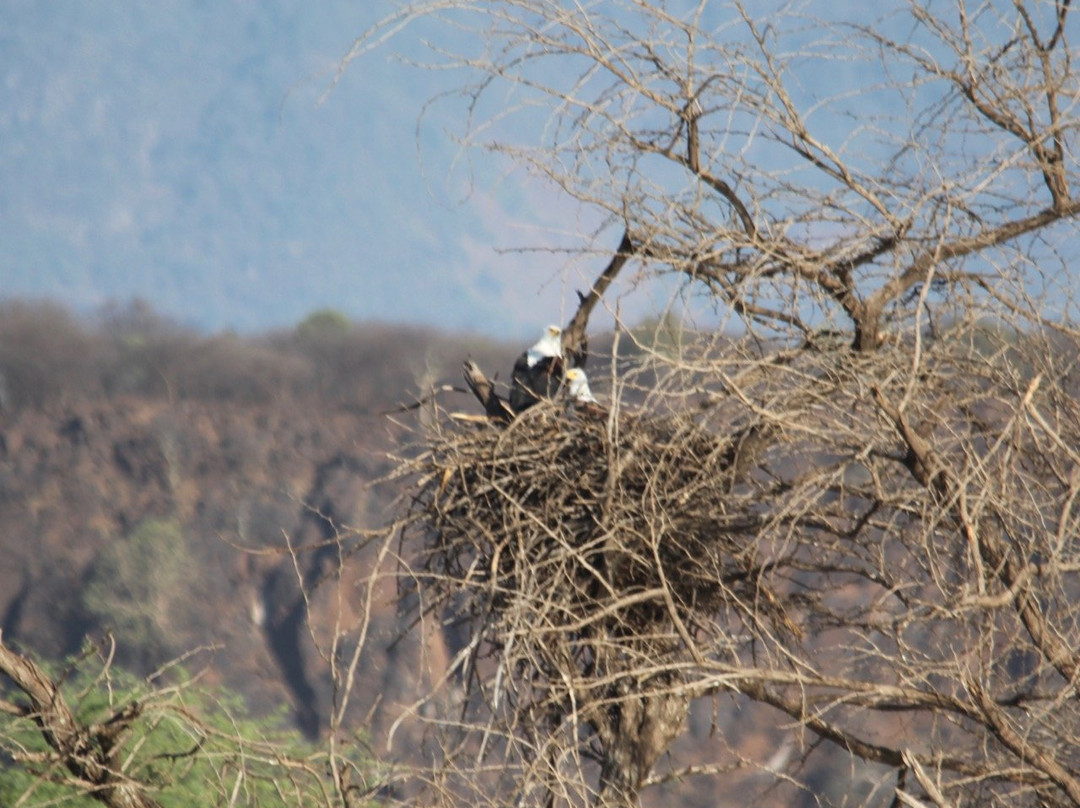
(49, 355)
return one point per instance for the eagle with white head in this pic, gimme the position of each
(578, 387)
(538, 372)
(549, 346)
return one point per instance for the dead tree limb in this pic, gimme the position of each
(485, 393)
(91, 754)
(575, 343)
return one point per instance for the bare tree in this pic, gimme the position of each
(848, 496)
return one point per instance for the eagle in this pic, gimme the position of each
(578, 387)
(538, 372)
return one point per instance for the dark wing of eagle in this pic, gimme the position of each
(531, 384)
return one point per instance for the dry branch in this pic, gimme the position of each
(793, 537)
(91, 754)
(848, 531)
(575, 343)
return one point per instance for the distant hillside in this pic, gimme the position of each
(150, 480)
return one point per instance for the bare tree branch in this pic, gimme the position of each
(575, 343)
(844, 496)
(91, 754)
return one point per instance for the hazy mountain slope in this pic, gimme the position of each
(183, 152)
(149, 480)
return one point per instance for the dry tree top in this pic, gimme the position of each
(803, 525)
(872, 542)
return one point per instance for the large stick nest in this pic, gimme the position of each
(572, 522)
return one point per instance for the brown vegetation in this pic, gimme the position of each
(789, 539)
(587, 550)
(122, 437)
(893, 574)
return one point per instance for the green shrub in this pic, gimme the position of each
(323, 325)
(140, 588)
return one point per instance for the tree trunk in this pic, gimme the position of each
(638, 728)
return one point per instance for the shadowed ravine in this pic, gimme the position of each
(327, 507)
